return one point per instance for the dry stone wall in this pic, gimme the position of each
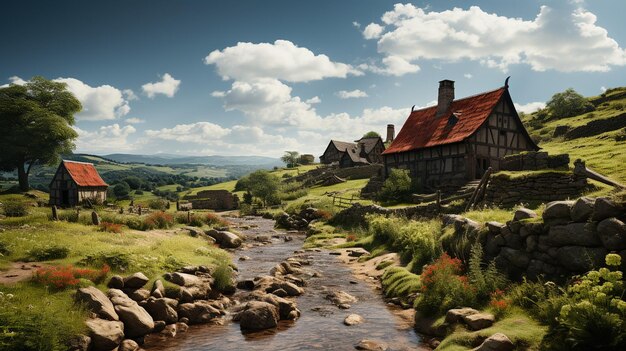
(533, 160)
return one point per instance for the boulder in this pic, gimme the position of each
(97, 302)
(357, 252)
(605, 208)
(197, 312)
(582, 209)
(341, 298)
(159, 326)
(558, 212)
(129, 345)
(79, 343)
(258, 315)
(163, 309)
(478, 321)
(158, 289)
(105, 335)
(523, 213)
(579, 234)
(116, 282)
(247, 284)
(496, 342)
(225, 238)
(371, 345)
(290, 288)
(353, 319)
(456, 315)
(286, 309)
(495, 227)
(612, 233)
(581, 259)
(135, 281)
(184, 279)
(139, 294)
(137, 321)
(517, 258)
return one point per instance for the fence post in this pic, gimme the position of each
(55, 214)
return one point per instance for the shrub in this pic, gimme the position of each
(15, 209)
(215, 220)
(4, 249)
(158, 220)
(109, 227)
(139, 192)
(323, 214)
(486, 281)
(69, 216)
(118, 261)
(542, 299)
(499, 303)
(121, 190)
(46, 253)
(444, 287)
(195, 221)
(134, 223)
(568, 103)
(223, 276)
(62, 277)
(351, 237)
(158, 204)
(397, 187)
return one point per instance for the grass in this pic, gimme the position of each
(400, 282)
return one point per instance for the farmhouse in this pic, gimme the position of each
(457, 140)
(218, 200)
(364, 151)
(76, 182)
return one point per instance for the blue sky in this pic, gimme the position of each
(261, 77)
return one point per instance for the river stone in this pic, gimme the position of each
(135, 281)
(582, 209)
(612, 233)
(558, 212)
(523, 213)
(353, 319)
(579, 234)
(286, 309)
(258, 315)
(371, 345)
(116, 282)
(169, 330)
(79, 343)
(456, 315)
(198, 312)
(158, 290)
(97, 302)
(247, 284)
(478, 321)
(225, 238)
(184, 279)
(581, 259)
(341, 298)
(290, 288)
(129, 345)
(139, 294)
(105, 335)
(159, 326)
(162, 309)
(605, 208)
(496, 342)
(137, 321)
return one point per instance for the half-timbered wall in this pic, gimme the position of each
(331, 154)
(65, 192)
(375, 155)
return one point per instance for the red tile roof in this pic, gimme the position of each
(84, 174)
(423, 129)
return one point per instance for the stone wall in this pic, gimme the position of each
(319, 174)
(219, 200)
(506, 190)
(533, 160)
(597, 127)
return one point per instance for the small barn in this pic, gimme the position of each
(457, 140)
(361, 152)
(75, 182)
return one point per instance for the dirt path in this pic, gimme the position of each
(19, 271)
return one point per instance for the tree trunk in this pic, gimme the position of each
(22, 177)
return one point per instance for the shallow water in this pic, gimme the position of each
(322, 329)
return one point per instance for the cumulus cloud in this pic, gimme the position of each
(392, 66)
(468, 75)
(353, 94)
(134, 120)
(281, 60)
(14, 80)
(168, 86)
(105, 139)
(313, 100)
(529, 107)
(563, 37)
(99, 103)
(356, 24)
(373, 31)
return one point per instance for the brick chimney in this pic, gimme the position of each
(391, 133)
(446, 96)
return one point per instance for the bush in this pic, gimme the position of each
(485, 281)
(139, 192)
(158, 220)
(46, 253)
(567, 104)
(110, 227)
(215, 221)
(4, 249)
(158, 204)
(62, 277)
(542, 299)
(121, 190)
(134, 223)
(118, 261)
(15, 209)
(223, 276)
(397, 187)
(195, 221)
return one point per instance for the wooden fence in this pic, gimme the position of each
(343, 202)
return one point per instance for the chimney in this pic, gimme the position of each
(446, 96)
(391, 133)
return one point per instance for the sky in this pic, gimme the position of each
(262, 77)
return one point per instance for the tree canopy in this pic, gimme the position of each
(261, 184)
(397, 186)
(371, 134)
(567, 104)
(36, 121)
(291, 158)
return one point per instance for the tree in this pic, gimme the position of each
(397, 186)
(36, 121)
(371, 134)
(567, 104)
(121, 190)
(263, 185)
(134, 182)
(291, 158)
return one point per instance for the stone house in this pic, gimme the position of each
(218, 200)
(457, 140)
(76, 182)
(361, 152)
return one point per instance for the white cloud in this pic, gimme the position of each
(354, 94)
(14, 80)
(356, 24)
(105, 139)
(200, 132)
(134, 120)
(99, 103)
(130, 95)
(603, 88)
(373, 31)
(313, 100)
(468, 75)
(392, 66)
(281, 60)
(168, 86)
(562, 37)
(529, 107)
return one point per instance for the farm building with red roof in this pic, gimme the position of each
(76, 182)
(457, 140)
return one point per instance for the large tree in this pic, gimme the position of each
(263, 185)
(567, 104)
(35, 120)
(291, 158)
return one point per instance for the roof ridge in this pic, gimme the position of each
(85, 163)
(464, 98)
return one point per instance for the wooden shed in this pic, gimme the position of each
(75, 182)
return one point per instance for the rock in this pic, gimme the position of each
(582, 209)
(158, 290)
(137, 321)
(517, 258)
(426, 325)
(135, 281)
(247, 284)
(162, 309)
(198, 312)
(496, 342)
(159, 326)
(169, 330)
(579, 234)
(195, 232)
(341, 298)
(280, 293)
(258, 315)
(184, 279)
(286, 309)
(478, 321)
(244, 258)
(181, 327)
(605, 208)
(371, 345)
(523, 213)
(129, 345)
(495, 227)
(456, 315)
(353, 319)
(558, 212)
(357, 252)
(290, 288)
(581, 259)
(612, 233)
(105, 335)
(116, 282)
(79, 343)
(139, 294)
(225, 238)
(97, 302)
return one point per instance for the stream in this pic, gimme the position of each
(321, 325)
